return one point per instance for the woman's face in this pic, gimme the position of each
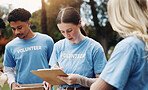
(70, 31)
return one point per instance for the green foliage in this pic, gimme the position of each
(96, 13)
(4, 13)
(5, 87)
(91, 32)
(36, 21)
(1, 60)
(7, 31)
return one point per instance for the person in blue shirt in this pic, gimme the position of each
(3, 77)
(127, 68)
(2, 25)
(76, 53)
(28, 51)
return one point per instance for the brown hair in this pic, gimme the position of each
(19, 14)
(2, 24)
(70, 15)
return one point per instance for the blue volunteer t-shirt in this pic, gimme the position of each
(86, 58)
(127, 69)
(27, 55)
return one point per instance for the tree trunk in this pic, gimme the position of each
(103, 33)
(43, 18)
(104, 42)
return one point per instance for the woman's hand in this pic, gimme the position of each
(46, 85)
(14, 85)
(71, 79)
(57, 67)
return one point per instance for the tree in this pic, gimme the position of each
(36, 21)
(43, 18)
(103, 30)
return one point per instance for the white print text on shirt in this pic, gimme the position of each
(64, 55)
(29, 49)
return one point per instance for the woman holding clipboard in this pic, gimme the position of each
(76, 53)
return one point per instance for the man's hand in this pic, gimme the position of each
(6, 79)
(14, 85)
(1, 73)
(3, 79)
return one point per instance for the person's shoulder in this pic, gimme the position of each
(93, 42)
(42, 35)
(45, 36)
(133, 41)
(61, 42)
(13, 42)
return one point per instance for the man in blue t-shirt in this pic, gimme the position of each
(28, 51)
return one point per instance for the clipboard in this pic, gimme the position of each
(37, 86)
(50, 75)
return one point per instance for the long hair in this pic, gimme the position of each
(70, 15)
(129, 18)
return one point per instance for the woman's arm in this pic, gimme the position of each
(100, 84)
(85, 81)
(77, 79)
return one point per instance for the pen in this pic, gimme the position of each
(57, 64)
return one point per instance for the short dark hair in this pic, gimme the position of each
(2, 24)
(19, 14)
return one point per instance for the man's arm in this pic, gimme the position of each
(10, 71)
(3, 79)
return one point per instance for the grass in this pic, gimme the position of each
(5, 87)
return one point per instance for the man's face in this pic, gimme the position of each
(20, 29)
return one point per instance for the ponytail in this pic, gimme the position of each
(83, 31)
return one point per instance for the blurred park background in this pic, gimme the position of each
(93, 15)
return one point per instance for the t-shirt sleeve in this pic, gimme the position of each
(54, 56)
(8, 58)
(118, 68)
(99, 60)
(50, 44)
